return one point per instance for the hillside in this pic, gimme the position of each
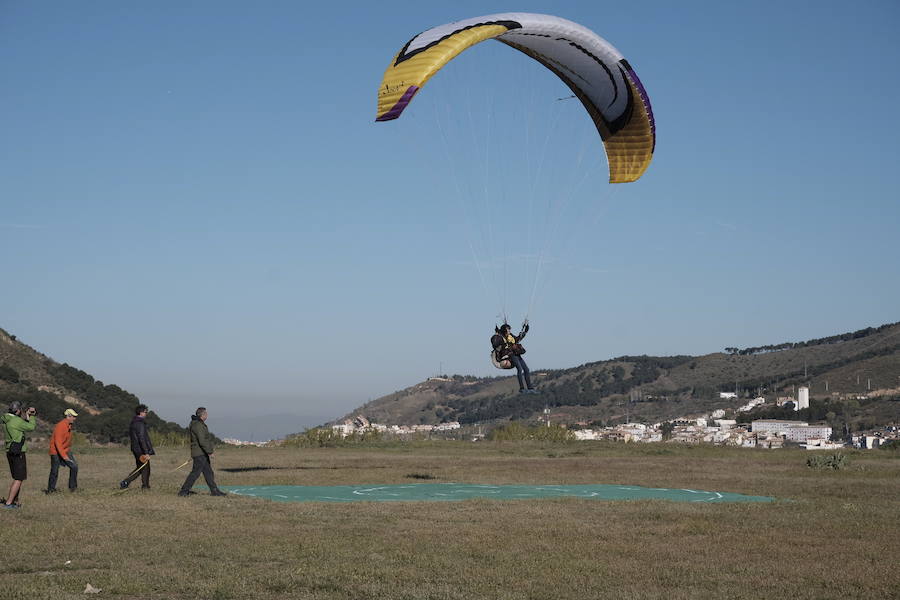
(854, 378)
(37, 380)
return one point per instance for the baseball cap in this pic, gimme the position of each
(70, 413)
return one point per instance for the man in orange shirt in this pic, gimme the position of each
(61, 452)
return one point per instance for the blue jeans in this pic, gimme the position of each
(522, 371)
(55, 461)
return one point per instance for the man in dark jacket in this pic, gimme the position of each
(202, 448)
(141, 447)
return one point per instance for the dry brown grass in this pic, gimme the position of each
(834, 535)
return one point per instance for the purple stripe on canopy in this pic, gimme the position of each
(646, 99)
(401, 104)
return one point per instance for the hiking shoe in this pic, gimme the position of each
(123, 484)
(188, 493)
(217, 493)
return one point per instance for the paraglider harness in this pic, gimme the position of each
(503, 349)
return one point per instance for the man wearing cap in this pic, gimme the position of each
(61, 452)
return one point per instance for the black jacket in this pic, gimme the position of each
(503, 348)
(140, 439)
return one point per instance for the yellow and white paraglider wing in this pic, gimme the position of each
(593, 69)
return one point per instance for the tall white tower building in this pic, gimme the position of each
(802, 398)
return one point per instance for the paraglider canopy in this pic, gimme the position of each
(598, 75)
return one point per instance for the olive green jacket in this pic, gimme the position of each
(201, 439)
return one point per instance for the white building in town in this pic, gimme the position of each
(773, 426)
(792, 431)
(802, 399)
(820, 444)
(449, 426)
(344, 429)
(752, 404)
(807, 432)
(869, 442)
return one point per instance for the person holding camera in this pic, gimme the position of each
(61, 452)
(17, 422)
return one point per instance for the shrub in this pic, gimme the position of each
(168, 439)
(325, 437)
(9, 374)
(515, 431)
(80, 440)
(829, 461)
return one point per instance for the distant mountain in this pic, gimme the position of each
(854, 379)
(104, 411)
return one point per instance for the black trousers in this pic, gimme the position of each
(55, 461)
(18, 466)
(201, 465)
(144, 473)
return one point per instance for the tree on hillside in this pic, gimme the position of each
(667, 428)
(9, 374)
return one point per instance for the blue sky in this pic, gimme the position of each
(197, 205)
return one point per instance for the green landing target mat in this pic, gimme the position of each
(415, 492)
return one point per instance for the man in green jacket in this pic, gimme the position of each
(202, 448)
(17, 422)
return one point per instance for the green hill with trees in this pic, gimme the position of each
(854, 382)
(104, 410)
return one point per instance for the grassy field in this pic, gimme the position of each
(833, 534)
